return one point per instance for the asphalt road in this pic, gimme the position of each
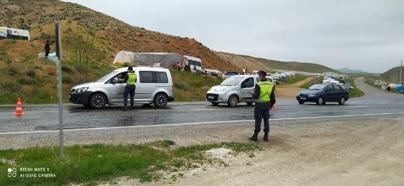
(375, 103)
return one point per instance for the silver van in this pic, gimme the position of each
(153, 86)
(233, 90)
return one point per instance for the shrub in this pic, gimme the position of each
(66, 79)
(9, 87)
(31, 73)
(66, 69)
(24, 81)
(12, 71)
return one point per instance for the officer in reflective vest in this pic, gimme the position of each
(130, 80)
(264, 100)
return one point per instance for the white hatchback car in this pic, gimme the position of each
(153, 86)
(233, 90)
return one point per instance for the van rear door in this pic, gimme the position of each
(149, 81)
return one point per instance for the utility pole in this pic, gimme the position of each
(60, 87)
(401, 72)
(56, 58)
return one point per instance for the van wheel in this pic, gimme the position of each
(97, 101)
(301, 102)
(160, 100)
(214, 103)
(342, 101)
(233, 101)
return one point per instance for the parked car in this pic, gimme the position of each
(233, 90)
(153, 86)
(322, 93)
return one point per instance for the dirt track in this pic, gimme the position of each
(290, 91)
(356, 151)
(335, 153)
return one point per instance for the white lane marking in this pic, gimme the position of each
(204, 109)
(359, 106)
(196, 123)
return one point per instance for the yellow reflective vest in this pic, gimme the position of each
(131, 79)
(265, 91)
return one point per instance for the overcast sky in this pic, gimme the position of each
(359, 34)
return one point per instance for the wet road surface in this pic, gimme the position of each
(375, 103)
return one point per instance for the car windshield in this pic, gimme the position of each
(317, 87)
(232, 81)
(106, 77)
(230, 73)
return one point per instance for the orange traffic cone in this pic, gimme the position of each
(18, 110)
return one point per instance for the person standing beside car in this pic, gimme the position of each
(264, 100)
(130, 80)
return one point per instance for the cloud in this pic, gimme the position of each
(363, 34)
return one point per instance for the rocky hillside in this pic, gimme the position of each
(90, 42)
(253, 63)
(393, 75)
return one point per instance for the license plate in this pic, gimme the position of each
(303, 98)
(211, 97)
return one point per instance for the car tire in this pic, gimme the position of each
(301, 102)
(233, 101)
(97, 101)
(214, 103)
(160, 100)
(320, 101)
(342, 101)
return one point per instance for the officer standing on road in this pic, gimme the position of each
(130, 80)
(264, 100)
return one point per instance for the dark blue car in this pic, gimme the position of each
(322, 93)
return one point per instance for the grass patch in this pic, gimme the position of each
(294, 79)
(91, 163)
(355, 91)
(192, 86)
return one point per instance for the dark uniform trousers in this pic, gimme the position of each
(260, 114)
(129, 89)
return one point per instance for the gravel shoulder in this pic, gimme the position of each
(354, 151)
(345, 152)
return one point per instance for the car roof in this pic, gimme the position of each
(246, 76)
(122, 69)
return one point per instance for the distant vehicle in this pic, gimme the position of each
(213, 72)
(153, 86)
(230, 74)
(233, 90)
(195, 64)
(271, 79)
(13, 33)
(322, 93)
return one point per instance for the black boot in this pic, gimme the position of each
(124, 108)
(266, 136)
(254, 137)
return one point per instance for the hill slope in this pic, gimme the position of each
(90, 42)
(253, 63)
(393, 75)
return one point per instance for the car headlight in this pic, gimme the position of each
(81, 90)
